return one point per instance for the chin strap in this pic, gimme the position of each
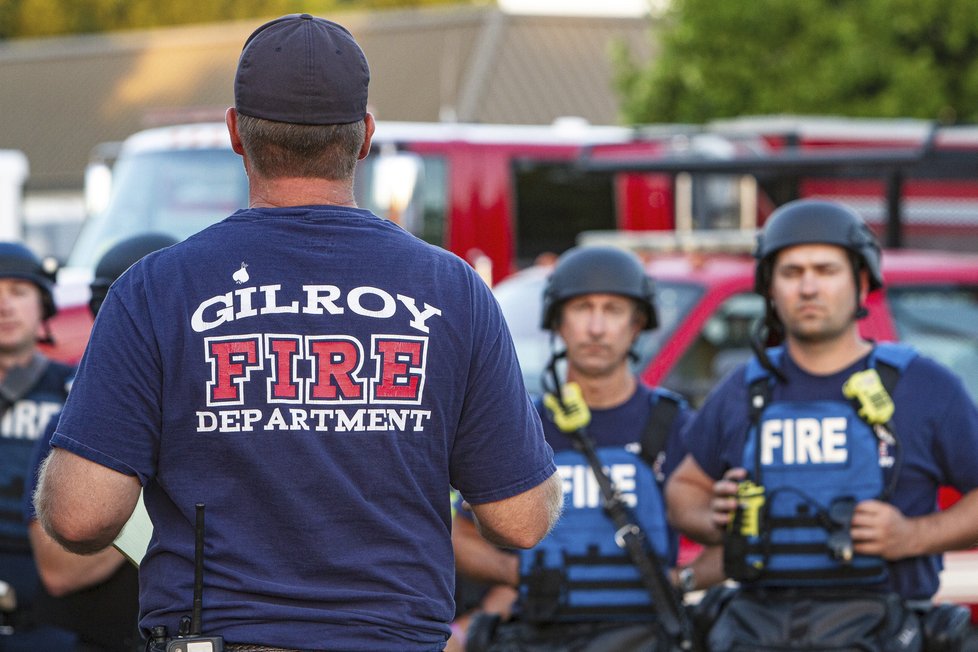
(46, 337)
(760, 334)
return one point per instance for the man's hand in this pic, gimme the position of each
(880, 529)
(724, 501)
(699, 506)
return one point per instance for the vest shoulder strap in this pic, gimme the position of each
(665, 408)
(890, 360)
(758, 378)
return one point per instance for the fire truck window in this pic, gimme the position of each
(554, 203)
(405, 188)
(941, 322)
(722, 344)
(434, 200)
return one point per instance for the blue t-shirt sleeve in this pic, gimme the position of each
(119, 349)
(714, 435)
(935, 391)
(499, 449)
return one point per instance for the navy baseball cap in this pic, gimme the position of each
(302, 70)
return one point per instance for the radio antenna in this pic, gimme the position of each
(195, 617)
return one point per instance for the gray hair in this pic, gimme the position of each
(283, 149)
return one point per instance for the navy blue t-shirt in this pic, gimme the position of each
(935, 420)
(318, 378)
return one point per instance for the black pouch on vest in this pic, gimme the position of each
(946, 627)
(522, 636)
(776, 621)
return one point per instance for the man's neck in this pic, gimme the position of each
(606, 391)
(823, 358)
(300, 191)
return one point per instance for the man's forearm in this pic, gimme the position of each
(689, 492)
(480, 560)
(63, 572)
(83, 505)
(694, 520)
(953, 528)
(522, 520)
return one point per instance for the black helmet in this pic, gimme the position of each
(120, 258)
(17, 261)
(813, 221)
(590, 270)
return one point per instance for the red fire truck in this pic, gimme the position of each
(502, 195)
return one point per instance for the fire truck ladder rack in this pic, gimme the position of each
(733, 241)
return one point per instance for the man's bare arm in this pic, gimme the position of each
(698, 506)
(64, 572)
(81, 504)
(524, 519)
(879, 528)
(480, 560)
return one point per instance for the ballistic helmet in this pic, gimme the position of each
(17, 261)
(592, 270)
(812, 221)
(118, 259)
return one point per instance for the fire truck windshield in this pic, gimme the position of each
(176, 192)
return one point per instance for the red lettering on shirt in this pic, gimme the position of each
(284, 351)
(400, 364)
(335, 363)
(232, 361)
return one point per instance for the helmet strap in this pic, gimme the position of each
(46, 337)
(857, 266)
(760, 334)
(550, 379)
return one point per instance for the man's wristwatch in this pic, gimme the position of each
(687, 579)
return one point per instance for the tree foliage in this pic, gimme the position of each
(26, 18)
(858, 58)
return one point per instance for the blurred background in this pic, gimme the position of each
(78, 76)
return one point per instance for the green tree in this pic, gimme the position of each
(26, 18)
(858, 58)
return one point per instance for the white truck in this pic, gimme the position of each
(14, 170)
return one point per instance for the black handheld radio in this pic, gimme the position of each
(189, 638)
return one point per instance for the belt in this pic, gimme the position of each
(159, 645)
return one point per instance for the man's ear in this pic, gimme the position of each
(231, 120)
(371, 126)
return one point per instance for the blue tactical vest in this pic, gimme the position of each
(22, 423)
(809, 463)
(579, 572)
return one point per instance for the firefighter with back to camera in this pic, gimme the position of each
(318, 401)
(580, 588)
(817, 463)
(97, 595)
